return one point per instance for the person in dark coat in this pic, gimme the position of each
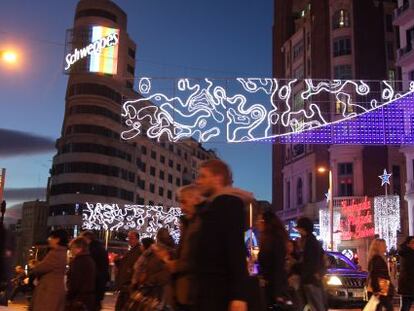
(18, 282)
(126, 270)
(49, 294)
(100, 257)
(273, 239)
(312, 266)
(379, 281)
(221, 254)
(81, 278)
(406, 279)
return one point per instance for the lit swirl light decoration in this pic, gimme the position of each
(146, 219)
(287, 110)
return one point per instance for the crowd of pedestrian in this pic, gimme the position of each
(208, 269)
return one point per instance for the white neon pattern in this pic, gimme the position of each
(387, 218)
(385, 178)
(203, 109)
(146, 219)
(324, 227)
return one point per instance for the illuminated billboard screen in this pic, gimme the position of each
(92, 49)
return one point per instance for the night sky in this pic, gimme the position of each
(175, 38)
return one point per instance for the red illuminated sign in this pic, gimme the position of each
(357, 220)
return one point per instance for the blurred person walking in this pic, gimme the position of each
(183, 268)
(18, 283)
(81, 278)
(272, 256)
(312, 266)
(221, 253)
(406, 278)
(49, 294)
(126, 270)
(100, 257)
(379, 281)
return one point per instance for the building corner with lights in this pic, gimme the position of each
(322, 39)
(93, 164)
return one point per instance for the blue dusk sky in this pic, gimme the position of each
(175, 38)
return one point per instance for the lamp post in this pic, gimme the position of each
(330, 207)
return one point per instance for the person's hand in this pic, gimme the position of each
(26, 281)
(237, 305)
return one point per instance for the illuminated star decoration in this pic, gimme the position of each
(385, 178)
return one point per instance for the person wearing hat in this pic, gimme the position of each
(312, 266)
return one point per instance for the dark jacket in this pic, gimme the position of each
(312, 267)
(126, 268)
(272, 265)
(377, 268)
(81, 281)
(185, 285)
(100, 257)
(406, 280)
(221, 254)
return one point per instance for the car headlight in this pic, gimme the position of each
(334, 281)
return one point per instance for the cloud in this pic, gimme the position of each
(14, 143)
(24, 194)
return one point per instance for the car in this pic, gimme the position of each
(344, 282)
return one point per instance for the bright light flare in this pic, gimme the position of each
(322, 169)
(9, 57)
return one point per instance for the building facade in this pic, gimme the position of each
(93, 164)
(331, 39)
(404, 20)
(33, 228)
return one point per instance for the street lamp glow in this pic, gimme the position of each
(9, 57)
(322, 169)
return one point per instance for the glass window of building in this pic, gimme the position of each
(345, 179)
(287, 199)
(162, 175)
(171, 163)
(343, 72)
(299, 191)
(161, 191)
(342, 46)
(178, 167)
(341, 19)
(152, 188)
(178, 182)
(153, 155)
(390, 50)
(170, 178)
(169, 194)
(143, 150)
(162, 159)
(152, 171)
(388, 23)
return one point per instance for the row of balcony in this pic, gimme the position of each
(404, 13)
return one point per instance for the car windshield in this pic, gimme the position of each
(336, 262)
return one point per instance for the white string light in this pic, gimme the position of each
(146, 219)
(387, 218)
(199, 109)
(324, 227)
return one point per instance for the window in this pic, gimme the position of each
(341, 19)
(153, 154)
(171, 147)
(140, 201)
(152, 188)
(95, 148)
(170, 163)
(299, 192)
(396, 180)
(310, 187)
(390, 50)
(142, 184)
(342, 46)
(97, 13)
(169, 194)
(143, 167)
(131, 53)
(94, 89)
(391, 77)
(179, 167)
(287, 195)
(161, 191)
(298, 73)
(345, 179)
(91, 129)
(131, 69)
(179, 152)
(93, 189)
(170, 178)
(96, 110)
(297, 50)
(151, 203)
(162, 175)
(185, 156)
(152, 171)
(162, 159)
(340, 104)
(178, 182)
(92, 168)
(143, 150)
(343, 72)
(388, 23)
(411, 75)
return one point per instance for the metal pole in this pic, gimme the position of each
(106, 239)
(331, 212)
